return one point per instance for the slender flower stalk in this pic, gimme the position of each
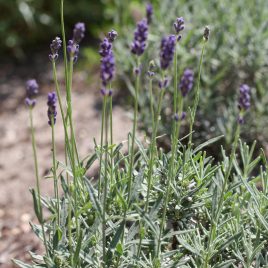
(132, 152)
(72, 53)
(67, 151)
(168, 49)
(134, 129)
(64, 43)
(177, 104)
(152, 147)
(56, 188)
(137, 48)
(31, 91)
(73, 49)
(73, 145)
(41, 220)
(106, 124)
(65, 122)
(153, 144)
(151, 74)
(107, 75)
(55, 77)
(177, 99)
(111, 132)
(112, 35)
(197, 91)
(52, 113)
(101, 149)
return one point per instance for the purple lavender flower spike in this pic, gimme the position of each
(137, 70)
(107, 69)
(52, 108)
(112, 35)
(79, 32)
(54, 47)
(73, 44)
(30, 102)
(181, 117)
(187, 82)
(240, 120)
(73, 50)
(176, 117)
(107, 62)
(105, 47)
(31, 91)
(140, 37)
(151, 74)
(167, 51)
(243, 102)
(103, 92)
(151, 71)
(32, 88)
(244, 98)
(179, 26)
(163, 83)
(149, 13)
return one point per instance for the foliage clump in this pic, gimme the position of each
(150, 208)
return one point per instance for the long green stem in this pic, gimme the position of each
(152, 158)
(105, 182)
(214, 223)
(61, 109)
(73, 143)
(175, 95)
(101, 148)
(56, 188)
(151, 101)
(152, 148)
(197, 92)
(41, 221)
(65, 128)
(175, 90)
(70, 110)
(64, 42)
(174, 141)
(132, 151)
(111, 134)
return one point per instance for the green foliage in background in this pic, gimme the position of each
(27, 24)
(237, 53)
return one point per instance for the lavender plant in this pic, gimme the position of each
(149, 208)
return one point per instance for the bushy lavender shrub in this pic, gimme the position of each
(149, 208)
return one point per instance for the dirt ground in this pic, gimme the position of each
(16, 162)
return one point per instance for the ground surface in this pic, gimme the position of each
(16, 163)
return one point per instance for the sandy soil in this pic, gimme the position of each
(16, 163)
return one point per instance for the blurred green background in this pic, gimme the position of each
(27, 24)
